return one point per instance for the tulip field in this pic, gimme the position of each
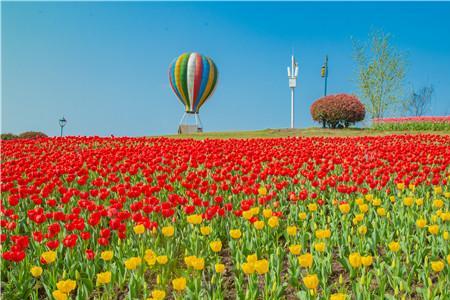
(280, 218)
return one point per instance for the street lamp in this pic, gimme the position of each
(324, 74)
(62, 123)
(292, 75)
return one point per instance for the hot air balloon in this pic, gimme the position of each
(193, 78)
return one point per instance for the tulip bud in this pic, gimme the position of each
(362, 280)
(395, 291)
(77, 275)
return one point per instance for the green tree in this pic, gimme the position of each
(381, 70)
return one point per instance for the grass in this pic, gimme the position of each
(277, 133)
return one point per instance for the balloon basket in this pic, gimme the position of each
(190, 123)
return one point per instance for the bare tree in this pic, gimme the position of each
(419, 101)
(381, 70)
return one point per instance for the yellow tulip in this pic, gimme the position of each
(419, 202)
(49, 256)
(291, 230)
(302, 215)
(311, 281)
(344, 208)
(381, 211)
(262, 266)
(262, 191)
(36, 271)
(220, 268)
(179, 284)
(66, 286)
(376, 202)
(355, 260)
(273, 222)
(438, 203)
(198, 263)
(162, 260)
(359, 201)
(259, 225)
(319, 247)
(194, 219)
(433, 229)
(312, 207)
(132, 263)
(255, 210)
(267, 213)
(247, 214)
(408, 201)
(168, 231)
(158, 294)
(305, 260)
(448, 259)
(205, 230)
(139, 229)
(188, 260)
(338, 296)
(252, 258)
(106, 255)
(235, 233)
(59, 295)
(437, 266)
(103, 278)
(394, 246)
(216, 246)
(323, 233)
(400, 186)
(421, 223)
(363, 208)
(366, 260)
(362, 230)
(248, 268)
(150, 257)
(438, 190)
(295, 249)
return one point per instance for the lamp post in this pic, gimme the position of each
(62, 123)
(292, 75)
(324, 74)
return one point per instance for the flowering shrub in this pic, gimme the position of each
(413, 123)
(149, 218)
(32, 135)
(340, 110)
(8, 136)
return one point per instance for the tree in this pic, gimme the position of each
(419, 101)
(381, 70)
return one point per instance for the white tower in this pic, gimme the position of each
(292, 75)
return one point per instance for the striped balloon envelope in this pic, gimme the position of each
(193, 78)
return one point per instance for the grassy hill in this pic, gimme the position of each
(276, 133)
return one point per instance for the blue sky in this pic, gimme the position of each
(104, 65)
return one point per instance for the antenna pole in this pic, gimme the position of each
(292, 75)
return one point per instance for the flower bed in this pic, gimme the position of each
(155, 218)
(412, 123)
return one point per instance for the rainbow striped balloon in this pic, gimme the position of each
(193, 78)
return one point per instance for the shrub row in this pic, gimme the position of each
(24, 135)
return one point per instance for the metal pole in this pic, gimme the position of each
(61, 130)
(326, 75)
(292, 108)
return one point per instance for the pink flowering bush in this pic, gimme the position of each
(340, 110)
